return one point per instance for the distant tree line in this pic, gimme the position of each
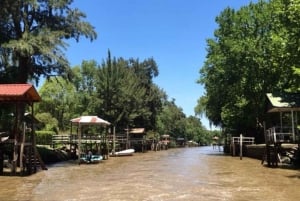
(118, 90)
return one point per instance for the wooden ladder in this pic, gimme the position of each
(34, 162)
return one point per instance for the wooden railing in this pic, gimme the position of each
(279, 135)
(238, 143)
(245, 140)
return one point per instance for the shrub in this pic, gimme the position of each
(44, 137)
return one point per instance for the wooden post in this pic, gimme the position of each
(293, 126)
(79, 142)
(127, 138)
(15, 151)
(114, 141)
(22, 146)
(1, 159)
(241, 146)
(233, 146)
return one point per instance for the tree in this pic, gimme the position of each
(254, 52)
(85, 81)
(33, 37)
(50, 122)
(286, 36)
(121, 93)
(195, 131)
(171, 120)
(58, 100)
(145, 72)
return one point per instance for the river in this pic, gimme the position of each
(188, 174)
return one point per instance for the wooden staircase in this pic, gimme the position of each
(33, 162)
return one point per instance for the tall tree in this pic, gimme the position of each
(287, 37)
(146, 71)
(33, 38)
(120, 91)
(253, 53)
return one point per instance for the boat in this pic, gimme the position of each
(3, 136)
(91, 159)
(126, 152)
(2, 139)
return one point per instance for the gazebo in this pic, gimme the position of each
(23, 153)
(82, 121)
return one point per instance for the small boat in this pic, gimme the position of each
(126, 152)
(3, 136)
(2, 139)
(91, 159)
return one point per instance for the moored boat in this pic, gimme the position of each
(126, 152)
(91, 159)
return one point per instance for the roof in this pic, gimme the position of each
(89, 120)
(18, 92)
(283, 102)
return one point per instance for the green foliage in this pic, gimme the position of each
(254, 52)
(172, 121)
(126, 94)
(44, 137)
(194, 130)
(59, 100)
(120, 91)
(33, 38)
(85, 82)
(51, 123)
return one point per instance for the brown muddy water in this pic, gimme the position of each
(199, 173)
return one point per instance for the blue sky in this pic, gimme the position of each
(172, 32)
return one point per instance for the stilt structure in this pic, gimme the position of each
(136, 139)
(286, 105)
(85, 141)
(18, 153)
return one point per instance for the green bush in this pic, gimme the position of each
(44, 137)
